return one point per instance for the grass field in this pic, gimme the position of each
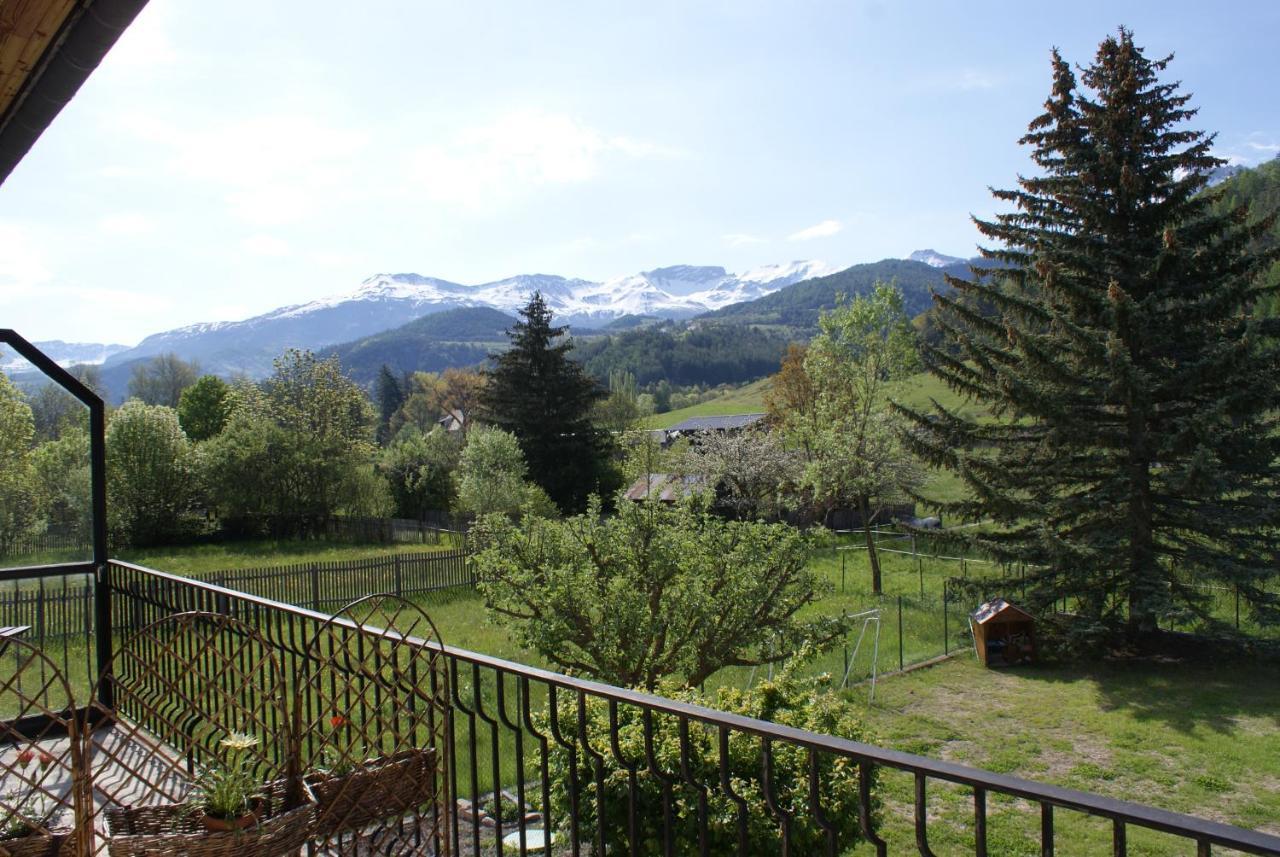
(1197, 738)
(748, 399)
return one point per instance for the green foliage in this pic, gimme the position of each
(419, 468)
(752, 472)
(683, 354)
(63, 482)
(389, 396)
(651, 592)
(203, 408)
(491, 473)
(18, 513)
(291, 448)
(151, 474)
(788, 701)
(1258, 191)
(543, 398)
(1135, 388)
(161, 380)
(621, 411)
(226, 790)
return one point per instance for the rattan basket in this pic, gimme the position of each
(171, 830)
(377, 790)
(56, 844)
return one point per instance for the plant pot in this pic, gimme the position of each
(280, 827)
(216, 824)
(378, 789)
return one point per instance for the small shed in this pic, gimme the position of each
(1003, 634)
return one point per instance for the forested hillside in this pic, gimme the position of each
(796, 308)
(458, 337)
(1260, 189)
(697, 353)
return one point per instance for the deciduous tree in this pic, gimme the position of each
(161, 380)
(653, 591)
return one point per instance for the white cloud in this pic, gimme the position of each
(266, 245)
(23, 265)
(740, 239)
(818, 230)
(516, 153)
(127, 223)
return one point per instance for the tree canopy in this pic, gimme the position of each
(1136, 452)
(546, 400)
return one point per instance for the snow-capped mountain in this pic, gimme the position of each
(63, 353)
(934, 259)
(384, 301)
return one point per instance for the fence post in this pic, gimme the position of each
(842, 554)
(946, 638)
(846, 651)
(901, 663)
(315, 587)
(399, 584)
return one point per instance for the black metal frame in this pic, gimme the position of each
(98, 494)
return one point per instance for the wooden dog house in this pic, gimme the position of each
(1003, 634)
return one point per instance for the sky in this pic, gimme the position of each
(229, 158)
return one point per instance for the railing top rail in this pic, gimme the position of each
(56, 569)
(1203, 830)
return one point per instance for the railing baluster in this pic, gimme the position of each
(979, 821)
(726, 785)
(633, 832)
(865, 819)
(686, 774)
(1046, 830)
(527, 716)
(494, 752)
(571, 749)
(1204, 848)
(1119, 839)
(518, 734)
(597, 765)
(922, 818)
(770, 799)
(651, 759)
(815, 804)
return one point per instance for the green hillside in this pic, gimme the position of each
(797, 307)
(748, 399)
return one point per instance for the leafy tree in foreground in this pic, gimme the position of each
(491, 473)
(1137, 452)
(63, 481)
(17, 479)
(545, 399)
(203, 408)
(151, 474)
(419, 468)
(653, 591)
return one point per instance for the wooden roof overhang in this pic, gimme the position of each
(48, 48)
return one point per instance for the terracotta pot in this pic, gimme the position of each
(223, 825)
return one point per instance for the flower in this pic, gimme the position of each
(25, 757)
(239, 741)
(337, 721)
(45, 759)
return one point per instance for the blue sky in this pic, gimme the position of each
(231, 157)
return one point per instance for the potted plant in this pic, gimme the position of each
(229, 797)
(27, 828)
(355, 787)
(230, 812)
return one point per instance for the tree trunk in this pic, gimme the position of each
(864, 507)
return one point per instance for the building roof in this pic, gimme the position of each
(1001, 609)
(720, 423)
(48, 48)
(663, 487)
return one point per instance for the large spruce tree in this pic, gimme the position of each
(545, 399)
(1134, 455)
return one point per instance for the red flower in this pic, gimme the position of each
(45, 759)
(25, 757)
(337, 721)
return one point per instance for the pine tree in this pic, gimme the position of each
(545, 399)
(390, 396)
(1135, 453)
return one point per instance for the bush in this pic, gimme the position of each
(803, 704)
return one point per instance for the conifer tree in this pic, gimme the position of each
(545, 399)
(389, 395)
(1135, 453)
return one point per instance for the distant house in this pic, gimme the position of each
(455, 420)
(727, 423)
(663, 487)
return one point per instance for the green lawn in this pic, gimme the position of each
(195, 560)
(1203, 739)
(748, 399)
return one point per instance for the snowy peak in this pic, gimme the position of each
(934, 259)
(63, 353)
